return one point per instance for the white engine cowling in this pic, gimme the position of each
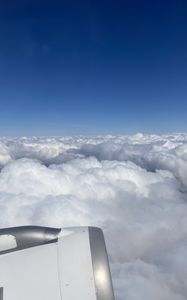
(61, 264)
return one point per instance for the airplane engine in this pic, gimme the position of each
(44, 263)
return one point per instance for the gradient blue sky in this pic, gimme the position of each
(93, 67)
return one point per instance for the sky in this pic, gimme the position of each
(92, 67)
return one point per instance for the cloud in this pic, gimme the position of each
(4, 155)
(134, 187)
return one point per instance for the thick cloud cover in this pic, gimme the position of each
(134, 187)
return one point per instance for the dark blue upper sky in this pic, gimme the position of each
(93, 67)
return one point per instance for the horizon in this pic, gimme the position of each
(149, 134)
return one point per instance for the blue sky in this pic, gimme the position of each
(93, 67)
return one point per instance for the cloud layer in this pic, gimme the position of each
(134, 187)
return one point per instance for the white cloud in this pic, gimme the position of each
(4, 155)
(134, 187)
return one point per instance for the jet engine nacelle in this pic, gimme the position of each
(54, 264)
